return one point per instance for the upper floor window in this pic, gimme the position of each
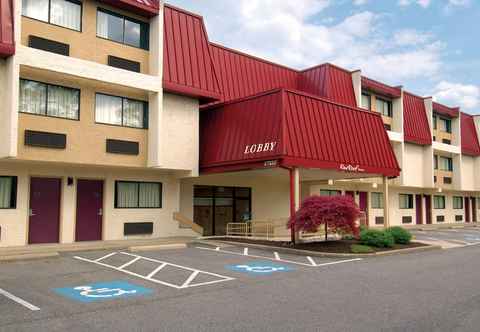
(8, 192)
(439, 202)
(443, 163)
(384, 107)
(122, 29)
(366, 101)
(49, 100)
(121, 111)
(442, 124)
(406, 201)
(64, 13)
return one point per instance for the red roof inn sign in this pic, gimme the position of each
(261, 147)
(351, 168)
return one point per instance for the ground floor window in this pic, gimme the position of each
(215, 207)
(457, 202)
(377, 200)
(406, 201)
(138, 195)
(8, 192)
(324, 192)
(439, 202)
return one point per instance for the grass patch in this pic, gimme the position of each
(361, 249)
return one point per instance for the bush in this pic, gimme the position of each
(400, 235)
(377, 238)
(361, 249)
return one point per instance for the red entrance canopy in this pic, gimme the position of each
(7, 42)
(291, 128)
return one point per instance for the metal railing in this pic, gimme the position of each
(251, 229)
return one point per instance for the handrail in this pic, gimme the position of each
(185, 222)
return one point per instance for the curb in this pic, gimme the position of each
(24, 257)
(317, 253)
(158, 247)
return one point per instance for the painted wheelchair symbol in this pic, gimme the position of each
(260, 269)
(91, 292)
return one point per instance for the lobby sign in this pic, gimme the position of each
(260, 147)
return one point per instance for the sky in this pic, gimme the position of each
(430, 47)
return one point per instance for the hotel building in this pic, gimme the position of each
(121, 120)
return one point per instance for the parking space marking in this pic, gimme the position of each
(311, 263)
(19, 300)
(189, 282)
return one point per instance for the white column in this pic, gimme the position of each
(357, 86)
(386, 207)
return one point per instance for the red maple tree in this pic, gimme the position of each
(334, 212)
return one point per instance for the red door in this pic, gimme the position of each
(89, 210)
(474, 209)
(428, 208)
(363, 204)
(419, 209)
(467, 209)
(44, 221)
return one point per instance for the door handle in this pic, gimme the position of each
(100, 212)
(30, 213)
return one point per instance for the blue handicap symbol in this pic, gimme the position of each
(259, 268)
(102, 291)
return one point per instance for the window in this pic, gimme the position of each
(434, 122)
(439, 202)
(444, 125)
(384, 107)
(387, 127)
(435, 161)
(49, 100)
(457, 202)
(64, 13)
(366, 101)
(377, 200)
(447, 180)
(121, 111)
(446, 141)
(133, 195)
(122, 29)
(8, 192)
(445, 164)
(330, 192)
(406, 201)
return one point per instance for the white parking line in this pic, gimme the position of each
(311, 264)
(19, 300)
(150, 277)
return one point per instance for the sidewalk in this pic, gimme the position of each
(52, 250)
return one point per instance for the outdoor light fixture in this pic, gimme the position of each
(439, 190)
(374, 185)
(70, 181)
(330, 182)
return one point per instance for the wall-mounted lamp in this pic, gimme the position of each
(374, 185)
(69, 181)
(330, 182)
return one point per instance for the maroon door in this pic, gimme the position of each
(363, 203)
(350, 194)
(467, 209)
(428, 208)
(474, 209)
(44, 221)
(89, 210)
(419, 209)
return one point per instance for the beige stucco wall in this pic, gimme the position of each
(14, 223)
(414, 165)
(468, 173)
(98, 49)
(86, 140)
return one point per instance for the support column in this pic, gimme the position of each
(386, 208)
(294, 197)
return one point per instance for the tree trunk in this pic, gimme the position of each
(326, 232)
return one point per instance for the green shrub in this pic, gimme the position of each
(377, 238)
(348, 237)
(400, 235)
(361, 249)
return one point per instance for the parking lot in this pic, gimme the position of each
(208, 288)
(449, 238)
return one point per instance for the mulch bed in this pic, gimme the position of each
(332, 246)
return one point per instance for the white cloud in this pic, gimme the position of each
(456, 94)
(422, 3)
(294, 33)
(360, 2)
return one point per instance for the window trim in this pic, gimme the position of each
(13, 198)
(46, 100)
(146, 112)
(408, 207)
(124, 18)
(444, 202)
(138, 193)
(77, 2)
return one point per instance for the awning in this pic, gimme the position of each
(289, 128)
(7, 42)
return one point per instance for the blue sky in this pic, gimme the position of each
(431, 47)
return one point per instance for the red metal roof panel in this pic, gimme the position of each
(452, 112)
(7, 41)
(328, 81)
(187, 63)
(381, 88)
(147, 8)
(294, 129)
(415, 122)
(470, 143)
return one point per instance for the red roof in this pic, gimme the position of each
(7, 41)
(381, 88)
(470, 144)
(147, 8)
(187, 63)
(291, 128)
(243, 75)
(329, 81)
(452, 112)
(415, 122)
